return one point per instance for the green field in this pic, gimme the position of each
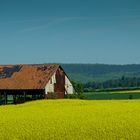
(71, 120)
(109, 95)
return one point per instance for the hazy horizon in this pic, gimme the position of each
(91, 31)
(68, 63)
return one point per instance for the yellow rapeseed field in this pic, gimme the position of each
(127, 91)
(71, 120)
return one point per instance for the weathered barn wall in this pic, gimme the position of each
(58, 84)
(50, 85)
(68, 86)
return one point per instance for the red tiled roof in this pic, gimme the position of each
(26, 76)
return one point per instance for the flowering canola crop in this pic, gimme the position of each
(71, 120)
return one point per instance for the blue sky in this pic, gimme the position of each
(70, 31)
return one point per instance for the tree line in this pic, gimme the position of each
(123, 82)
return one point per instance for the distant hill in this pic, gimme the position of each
(100, 72)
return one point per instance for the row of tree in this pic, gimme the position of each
(123, 82)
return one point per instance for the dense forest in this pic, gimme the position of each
(88, 77)
(85, 73)
(123, 82)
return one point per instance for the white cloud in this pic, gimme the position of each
(55, 21)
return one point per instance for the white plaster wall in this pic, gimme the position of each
(50, 85)
(68, 86)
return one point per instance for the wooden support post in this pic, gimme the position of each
(0, 98)
(24, 96)
(5, 95)
(33, 96)
(37, 96)
(14, 98)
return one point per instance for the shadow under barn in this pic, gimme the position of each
(20, 96)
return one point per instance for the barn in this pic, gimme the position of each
(20, 83)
